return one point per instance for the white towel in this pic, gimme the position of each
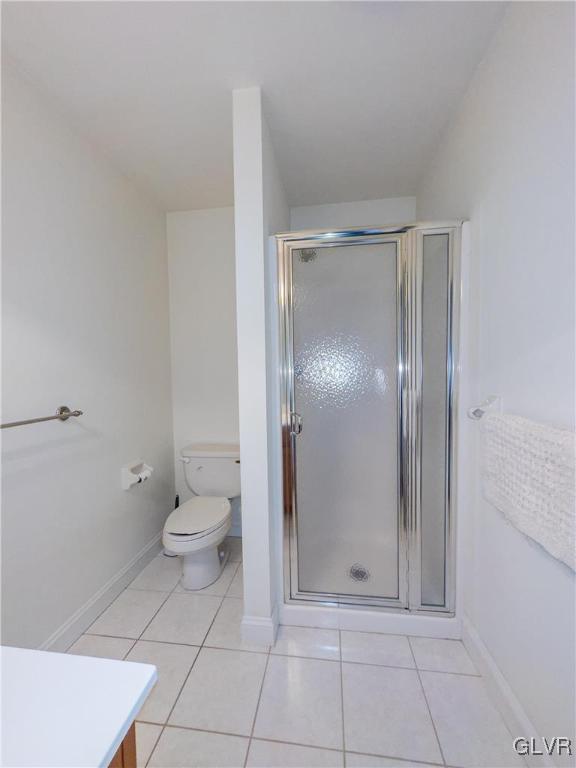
(529, 475)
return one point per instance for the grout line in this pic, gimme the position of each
(211, 623)
(188, 676)
(126, 588)
(257, 708)
(342, 699)
(154, 616)
(257, 738)
(192, 645)
(103, 611)
(147, 624)
(409, 761)
(156, 740)
(446, 672)
(373, 632)
(427, 705)
(112, 637)
(232, 580)
(412, 669)
(183, 684)
(129, 650)
(191, 667)
(269, 654)
(163, 603)
(204, 730)
(263, 652)
(162, 726)
(172, 642)
(284, 655)
(109, 637)
(297, 744)
(310, 658)
(152, 722)
(168, 594)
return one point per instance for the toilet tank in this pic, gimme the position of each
(212, 469)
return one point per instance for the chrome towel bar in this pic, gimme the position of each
(63, 413)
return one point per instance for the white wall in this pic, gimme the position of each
(507, 163)
(85, 323)
(203, 331)
(260, 210)
(390, 210)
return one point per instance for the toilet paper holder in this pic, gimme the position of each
(134, 473)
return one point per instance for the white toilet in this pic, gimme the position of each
(197, 528)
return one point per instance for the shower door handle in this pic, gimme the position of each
(295, 423)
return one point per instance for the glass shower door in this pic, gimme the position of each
(345, 421)
(369, 324)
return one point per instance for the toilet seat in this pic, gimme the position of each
(199, 524)
(198, 517)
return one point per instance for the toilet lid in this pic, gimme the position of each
(199, 515)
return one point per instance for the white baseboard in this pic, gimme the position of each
(515, 717)
(260, 630)
(70, 631)
(370, 621)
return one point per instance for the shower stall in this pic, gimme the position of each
(369, 321)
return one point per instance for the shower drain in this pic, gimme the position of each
(359, 573)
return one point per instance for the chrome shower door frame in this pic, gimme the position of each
(409, 247)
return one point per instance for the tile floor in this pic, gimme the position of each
(319, 697)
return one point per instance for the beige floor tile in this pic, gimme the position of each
(385, 713)
(470, 728)
(129, 614)
(161, 573)
(173, 663)
(442, 655)
(184, 619)
(104, 647)
(236, 588)
(225, 631)
(272, 754)
(370, 761)
(179, 748)
(146, 738)
(307, 641)
(221, 693)
(371, 648)
(301, 702)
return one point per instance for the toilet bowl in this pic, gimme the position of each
(196, 529)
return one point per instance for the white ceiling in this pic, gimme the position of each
(356, 93)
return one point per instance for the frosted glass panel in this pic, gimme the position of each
(345, 384)
(434, 417)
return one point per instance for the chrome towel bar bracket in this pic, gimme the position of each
(63, 414)
(491, 404)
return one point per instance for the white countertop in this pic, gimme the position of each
(67, 711)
